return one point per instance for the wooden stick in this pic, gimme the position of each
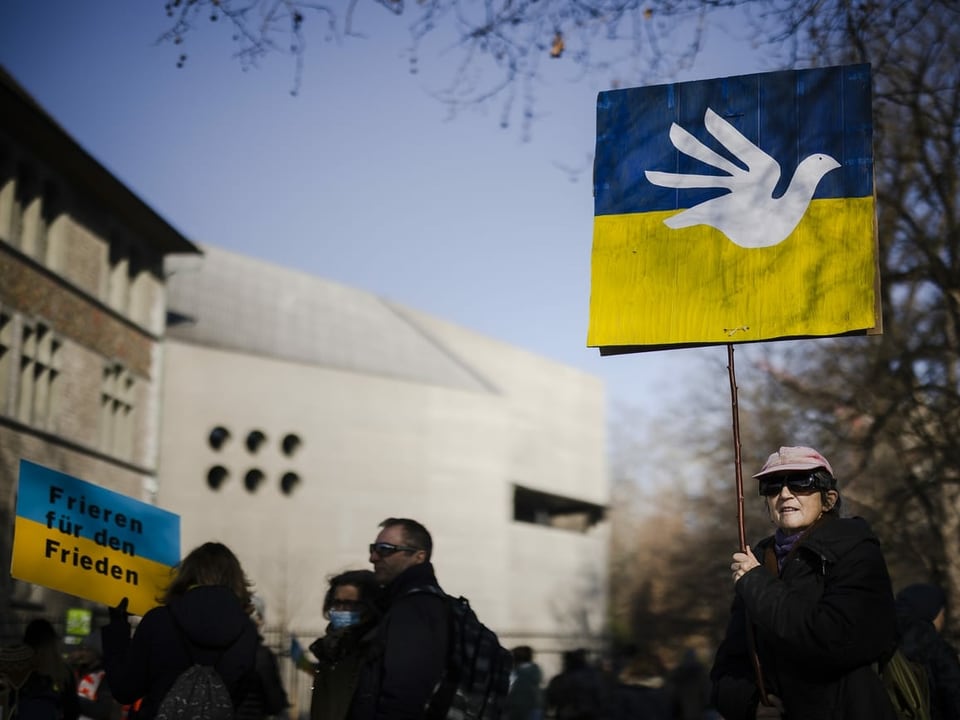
(741, 524)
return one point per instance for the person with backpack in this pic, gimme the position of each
(409, 646)
(813, 606)
(199, 643)
(921, 609)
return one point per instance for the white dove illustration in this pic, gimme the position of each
(749, 214)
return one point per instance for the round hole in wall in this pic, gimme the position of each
(218, 437)
(289, 482)
(216, 476)
(252, 480)
(255, 439)
(290, 443)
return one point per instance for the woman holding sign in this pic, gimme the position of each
(204, 618)
(819, 604)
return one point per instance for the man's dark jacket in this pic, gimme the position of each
(409, 651)
(820, 626)
(218, 632)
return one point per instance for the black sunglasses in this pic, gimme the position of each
(387, 549)
(803, 484)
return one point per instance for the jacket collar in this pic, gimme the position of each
(415, 576)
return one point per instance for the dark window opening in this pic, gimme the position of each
(289, 482)
(540, 508)
(254, 440)
(218, 436)
(216, 476)
(252, 480)
(290, 443)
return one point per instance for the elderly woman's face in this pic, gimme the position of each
(794, 510)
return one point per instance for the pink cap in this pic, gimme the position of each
(787, 459)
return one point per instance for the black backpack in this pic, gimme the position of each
(198, 693)
(476, 679)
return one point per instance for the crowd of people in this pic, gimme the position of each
(814, 621)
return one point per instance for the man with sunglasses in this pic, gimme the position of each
(813, 602)
(408, 648)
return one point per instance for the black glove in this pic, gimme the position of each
(119, 613)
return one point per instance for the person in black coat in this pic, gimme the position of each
(921, 609)
(350, 606)
(409, 649)
(266, 697)
(204, 618)
(817, 599)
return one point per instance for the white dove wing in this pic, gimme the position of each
(678, 180)
(689, 145)
(764, 170)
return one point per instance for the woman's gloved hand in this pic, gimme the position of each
(119, 613)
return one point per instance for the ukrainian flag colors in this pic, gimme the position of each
(656, 286)
(82, 539)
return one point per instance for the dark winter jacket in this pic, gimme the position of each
(920, 642)
(217, 630)
(820, 627)
(265, 695)
(408, 652)
(340, 655)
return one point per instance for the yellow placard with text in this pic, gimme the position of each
(79, 538)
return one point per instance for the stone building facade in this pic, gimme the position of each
(82, 316)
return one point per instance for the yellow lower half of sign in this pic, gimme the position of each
(81, 567)
(652, 285)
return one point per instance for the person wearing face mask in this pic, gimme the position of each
(813, 601)
(350, 606)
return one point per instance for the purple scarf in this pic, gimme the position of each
(783, 544)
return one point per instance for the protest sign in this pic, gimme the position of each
(79, 538)
(734, 210)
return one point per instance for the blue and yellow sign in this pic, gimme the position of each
(82, 539)
(734, 210)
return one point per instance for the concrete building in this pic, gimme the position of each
(299, 413)
(82, 316)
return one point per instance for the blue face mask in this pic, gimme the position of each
(344, 618)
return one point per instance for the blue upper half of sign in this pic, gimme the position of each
(790, 115)
(73, 507)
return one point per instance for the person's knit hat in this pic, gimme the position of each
(789, 459)
(922, 600)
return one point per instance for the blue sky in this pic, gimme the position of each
(361, 178)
